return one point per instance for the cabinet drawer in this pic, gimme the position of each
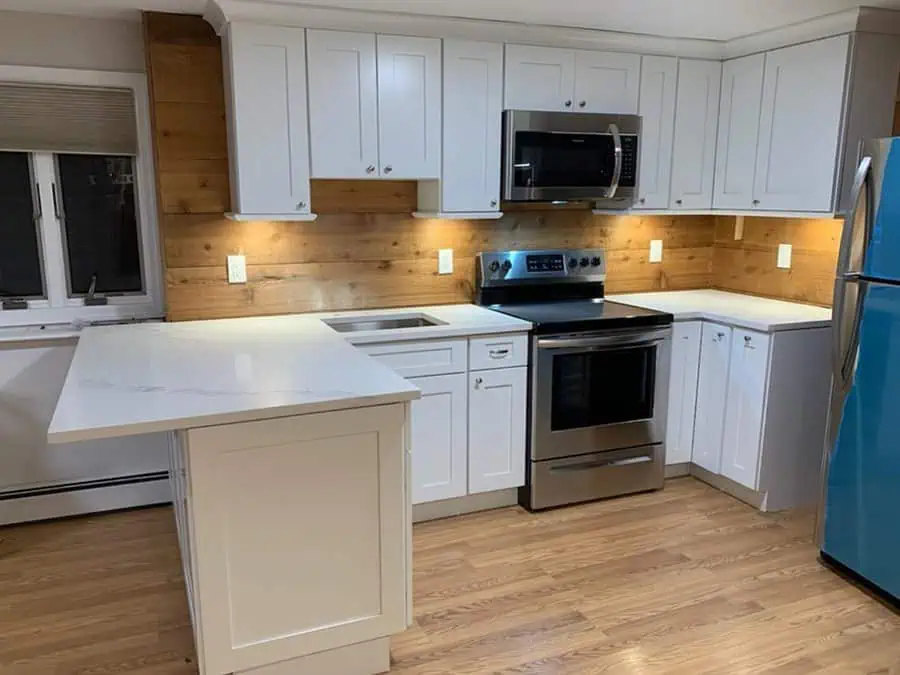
(498, 351)
(415, 359)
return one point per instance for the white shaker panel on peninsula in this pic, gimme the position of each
(735, 309)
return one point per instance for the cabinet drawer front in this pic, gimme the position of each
(415, 359)
(498, 351)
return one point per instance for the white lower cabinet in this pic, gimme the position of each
(683, 391)
(744, 407)
(438, 438)
(497, 400)
(712, 387)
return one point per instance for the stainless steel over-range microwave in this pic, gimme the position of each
(559, 156)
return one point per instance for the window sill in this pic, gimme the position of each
(53, 332)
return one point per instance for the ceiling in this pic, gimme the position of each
(700, 19)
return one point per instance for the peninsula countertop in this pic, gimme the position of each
(145, 378)
(734, 309)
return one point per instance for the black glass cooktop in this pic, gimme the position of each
(584, 315)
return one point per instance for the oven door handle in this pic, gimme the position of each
(601, 464)
(617, 171)
(642, 340)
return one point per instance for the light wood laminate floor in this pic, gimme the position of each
(683, 581)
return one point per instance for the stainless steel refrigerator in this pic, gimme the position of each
(859, 518)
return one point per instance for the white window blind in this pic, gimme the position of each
(67, 119)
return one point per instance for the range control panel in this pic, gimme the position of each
(531, 266)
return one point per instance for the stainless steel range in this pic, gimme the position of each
(599, 376)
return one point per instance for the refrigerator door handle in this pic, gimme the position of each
(848, 360)
(861, 189)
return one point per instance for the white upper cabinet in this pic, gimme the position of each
(800, 125)
(539, 78)
(712, 388)
(343, 110)
(607, 82)
(746, 398)
(268, 132)
(659, 75)
(375, 105)
(742, 82)
(683, 391)
(473, 115)
(551, 79)
(696, 126)
(409, 107)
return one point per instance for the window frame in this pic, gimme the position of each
(58, 307)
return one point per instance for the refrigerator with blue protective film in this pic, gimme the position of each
(859, 517)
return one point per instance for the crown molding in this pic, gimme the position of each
(219, 13)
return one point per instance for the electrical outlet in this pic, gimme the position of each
(237, 269)
(656, 248)
(445, 261)
(784, 256)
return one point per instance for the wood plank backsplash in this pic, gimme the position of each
(748, 265)
(365, 250)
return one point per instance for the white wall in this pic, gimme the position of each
(31, 377)
(70, 42)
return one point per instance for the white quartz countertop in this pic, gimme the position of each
(735, 309)
(146, 378)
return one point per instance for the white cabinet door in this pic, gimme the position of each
(343, 104)
(659, 76)
(607, 82)
(742, 81)
(539, 78)
(748, 375)
(473, 112)
(683, 391)
(712, 387)
(696, 126)
(438, 438)
(409, 107)
(269, 134)
(497, 400)
(800, 125)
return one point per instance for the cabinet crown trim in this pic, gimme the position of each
(221, 12)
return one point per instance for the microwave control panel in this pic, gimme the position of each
(629, 161)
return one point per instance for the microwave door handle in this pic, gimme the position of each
(617, 171)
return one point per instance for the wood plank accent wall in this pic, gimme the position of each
(365, 250)
(749, 265)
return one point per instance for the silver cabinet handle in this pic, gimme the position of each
(56, 210)
(720, 336)
(581, 104)
(38, 207)
(755, 202)
(747, 338)
(568, 104)
(493, 203)
(301, 205)
(370, 169)
(617, 170)
(499, 353)
(643, 200)
(478, 382)
(388, 168)
(679, 202)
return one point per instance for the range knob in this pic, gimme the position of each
(507, 266)
(573, 262)
(585, 262)
(595, 262)
(494, 266)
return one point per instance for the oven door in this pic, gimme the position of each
(598, 392)
(570, 156)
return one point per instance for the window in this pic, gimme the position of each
(78, 238)
(20, 258)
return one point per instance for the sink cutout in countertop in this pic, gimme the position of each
(360, 324)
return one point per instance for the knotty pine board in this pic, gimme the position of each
(749, 265)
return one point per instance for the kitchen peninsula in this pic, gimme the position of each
(290, 472)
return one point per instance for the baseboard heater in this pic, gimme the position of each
(84, 497)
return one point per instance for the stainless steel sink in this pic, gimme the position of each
(387, 323)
